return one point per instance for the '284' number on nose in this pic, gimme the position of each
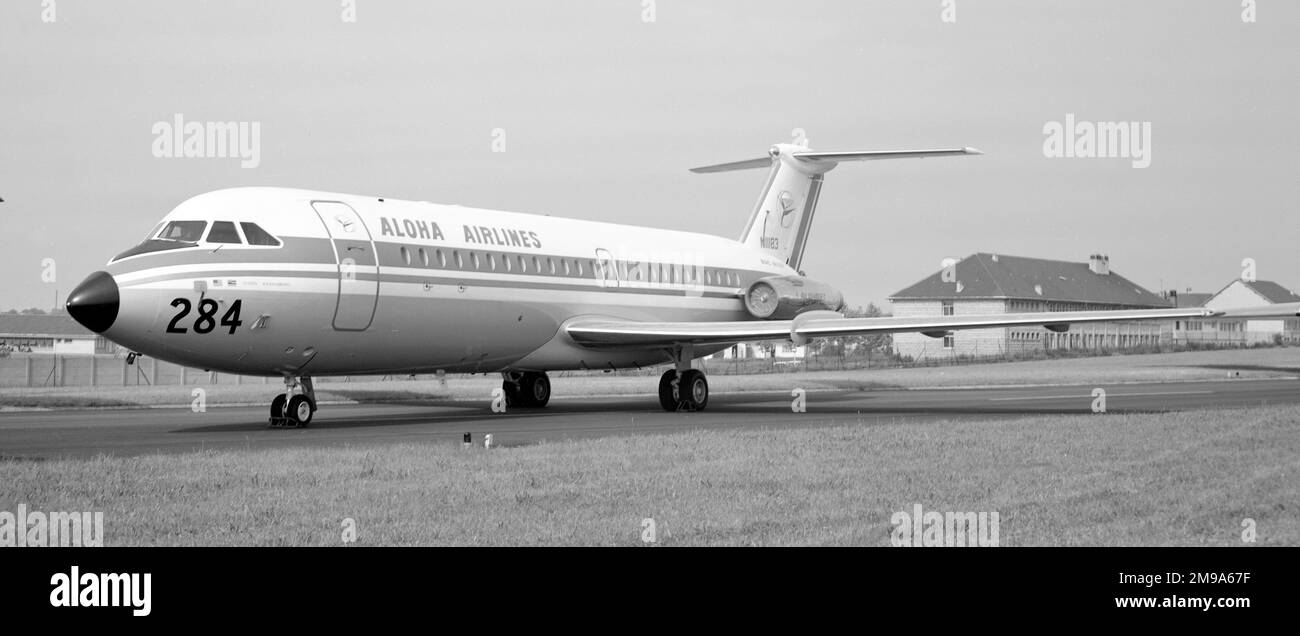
(207, 320)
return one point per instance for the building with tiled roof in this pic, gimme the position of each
(54, 333)
(1189, 298)
(984, 283)
(1239, 294)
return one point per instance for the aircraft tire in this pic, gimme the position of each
(694, 390)
(277, 406)
(535, 389)
(666, 399)
(299, 410)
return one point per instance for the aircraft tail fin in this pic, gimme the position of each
(780, 222)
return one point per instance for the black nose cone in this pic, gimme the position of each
(94, 302)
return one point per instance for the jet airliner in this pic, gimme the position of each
(298, 284)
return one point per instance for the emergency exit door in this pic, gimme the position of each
(358, 265)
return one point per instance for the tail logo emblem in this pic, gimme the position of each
(787, 208)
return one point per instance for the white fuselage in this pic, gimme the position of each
(362, 285)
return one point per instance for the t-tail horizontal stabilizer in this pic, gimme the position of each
(832, 158)
(779, 224)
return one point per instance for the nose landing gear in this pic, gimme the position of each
(294, 408)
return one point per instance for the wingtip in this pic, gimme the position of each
(972, 151)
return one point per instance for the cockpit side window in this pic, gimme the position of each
(257, 236)
(154, 232)
(187, 231)
(223, 232)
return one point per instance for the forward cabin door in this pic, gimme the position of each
(606, 270)
(357, 263)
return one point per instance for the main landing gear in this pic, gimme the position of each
(526, 388)
(683, 388)
(294, 407)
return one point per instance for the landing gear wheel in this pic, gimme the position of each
(299, 411)
(277, 406)
(667, 396)
(535, 389)
(294, 407)
(690, 394)
(694, 390)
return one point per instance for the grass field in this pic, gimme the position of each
(1186, 478)
(1185, 366)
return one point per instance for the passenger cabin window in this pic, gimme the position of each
(223, 232)
(188, 231)
(257, 236)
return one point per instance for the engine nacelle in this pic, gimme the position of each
(784, 297)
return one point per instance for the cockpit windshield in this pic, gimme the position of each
(176, 235)
(186, 231)
(257, 236)
(223, 232)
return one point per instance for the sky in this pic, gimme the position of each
(603, 105)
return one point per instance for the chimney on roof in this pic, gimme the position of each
(1099, 264)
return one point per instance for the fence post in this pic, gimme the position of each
(182, 383)
(28, 371)
(62, 366)
(93, 365)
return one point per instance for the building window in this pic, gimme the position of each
(948, 341)
(947, 307)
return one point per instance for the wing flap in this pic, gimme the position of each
(876, 155)
(599, 332)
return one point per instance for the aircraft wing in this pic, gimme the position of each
(612, 333)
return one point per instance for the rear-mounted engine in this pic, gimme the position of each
(784, 297)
